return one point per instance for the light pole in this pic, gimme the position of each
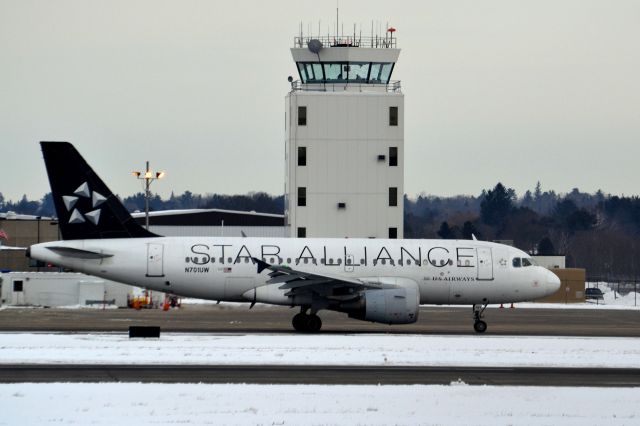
(148, 176)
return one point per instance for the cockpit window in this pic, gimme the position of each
(523, 262)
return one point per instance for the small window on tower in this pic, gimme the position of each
(393, 197)
(302, 196)
(393, 116)
(302, 156)
(393, 233)
(302, 116)
(302, 232)
(393, 156)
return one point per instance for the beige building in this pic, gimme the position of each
(572, 285)
(23, 231)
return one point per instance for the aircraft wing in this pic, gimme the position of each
(303, 282)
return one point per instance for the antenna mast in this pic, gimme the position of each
(337, 20)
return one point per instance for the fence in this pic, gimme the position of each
(621, 287)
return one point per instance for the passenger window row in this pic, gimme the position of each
(330, 261)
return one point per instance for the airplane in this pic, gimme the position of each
(378, 280)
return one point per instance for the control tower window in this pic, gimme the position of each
(302, 196)
(359, 71)
(393, 116)
(342, 72)
(380, 73)
(302, 116)
(311, 72)
(393, 156)
(393, 197)
(302, 156)
(336, 72)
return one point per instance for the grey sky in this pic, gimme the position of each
(516, 91)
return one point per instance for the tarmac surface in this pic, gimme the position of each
(211, 318)
(224, 318)
(327, 375)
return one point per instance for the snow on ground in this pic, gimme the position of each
(231, 404)
(278, 349)
(612, 300)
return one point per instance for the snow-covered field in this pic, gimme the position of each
(243, 404)
(611, 300)
(229, 404)
(277, 349)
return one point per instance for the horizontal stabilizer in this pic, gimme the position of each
(78, 253)
(11, 248)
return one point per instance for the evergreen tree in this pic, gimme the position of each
(446, 232)
(527, 200)
(47, 207)
(469, 230)
(496, 205)
(538, 191)
(545, 247)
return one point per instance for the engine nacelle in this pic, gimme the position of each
(399, 305)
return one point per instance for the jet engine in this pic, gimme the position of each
(397, 305)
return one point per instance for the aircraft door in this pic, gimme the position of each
(348, 264)
(155, 262)
(17, 295)
(485, 264)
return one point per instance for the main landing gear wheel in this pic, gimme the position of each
(478, 310)
(306, 323)
(480, 326)
(299, 322)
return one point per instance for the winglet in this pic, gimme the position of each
(261, 265)
(474, 237)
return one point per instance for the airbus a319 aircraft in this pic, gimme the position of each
(378, 280)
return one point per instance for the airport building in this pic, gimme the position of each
(344, 139)
(214, 223)
(55, 289)
(25, 230)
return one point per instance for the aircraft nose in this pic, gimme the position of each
(553, 282)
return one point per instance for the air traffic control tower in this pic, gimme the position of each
(344, 122)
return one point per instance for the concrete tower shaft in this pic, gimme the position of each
(344, 140)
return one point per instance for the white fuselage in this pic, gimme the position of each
(216, 268)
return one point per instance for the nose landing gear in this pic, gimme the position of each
(306, 323)
(479, 326)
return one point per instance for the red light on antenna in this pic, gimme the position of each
(391, 30)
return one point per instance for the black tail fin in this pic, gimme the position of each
(86, 208)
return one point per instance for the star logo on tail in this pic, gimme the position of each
(83, 191)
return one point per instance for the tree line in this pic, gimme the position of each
(599, 232)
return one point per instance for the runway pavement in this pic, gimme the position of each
(330, 375)
(209, 318)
